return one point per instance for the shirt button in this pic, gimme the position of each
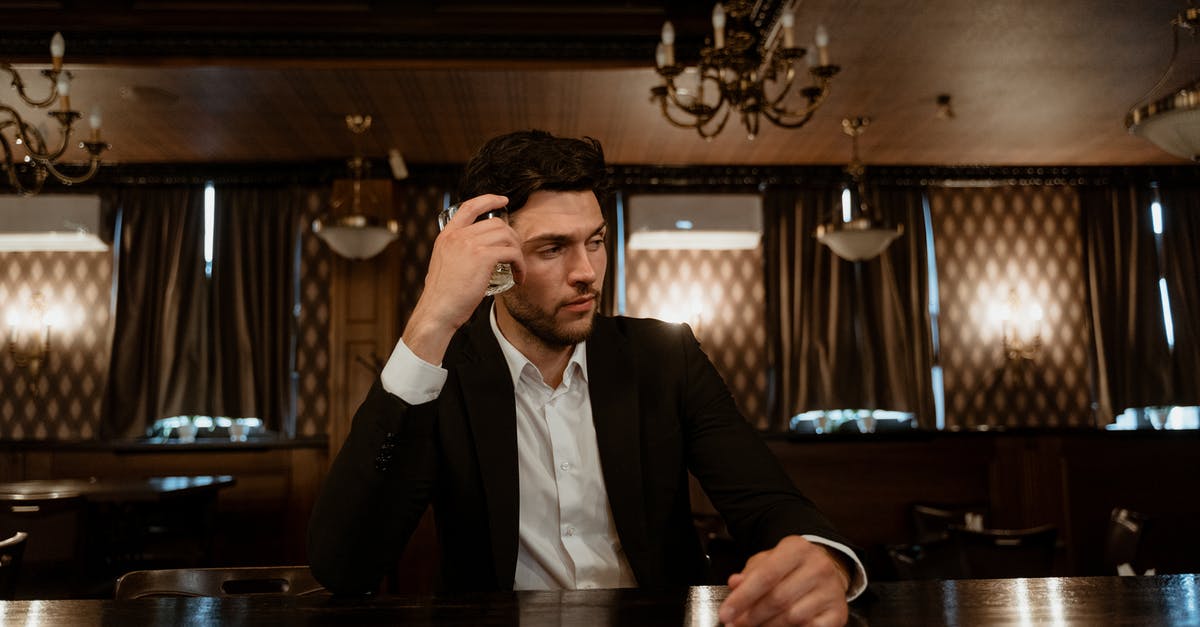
(570, 531)
(565, 466)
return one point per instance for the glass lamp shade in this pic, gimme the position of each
(858, 239)
(1171, 123)
(356, 236)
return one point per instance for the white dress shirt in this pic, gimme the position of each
(567, 537)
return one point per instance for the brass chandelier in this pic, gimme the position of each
(1171, 119)
(738, 71)
(26, 174)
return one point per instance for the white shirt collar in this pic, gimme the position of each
(518, 362)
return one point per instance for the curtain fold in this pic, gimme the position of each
(161, 312)
(254, 284)
(608, 291)
(1132, 358)
(1181, 256)
(845, 335)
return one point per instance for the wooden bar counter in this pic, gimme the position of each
(1057, 602)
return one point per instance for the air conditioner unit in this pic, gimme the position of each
(50, 222)
(694, 221)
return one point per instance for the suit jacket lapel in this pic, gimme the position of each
(612, 383)
(487, 391)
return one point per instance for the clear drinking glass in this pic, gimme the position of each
(502, 277)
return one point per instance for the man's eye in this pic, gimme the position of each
(550, 251)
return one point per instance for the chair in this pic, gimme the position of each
(724, 556)
(218, 582)
(11, 551)
(1124, 542)
(1006, 553)
(932, 521)
(939, 559)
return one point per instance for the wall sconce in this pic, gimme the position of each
(1020, 327)
(29, 337)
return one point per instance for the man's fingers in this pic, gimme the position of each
(470, 210)
(762, 573)
(794, 590)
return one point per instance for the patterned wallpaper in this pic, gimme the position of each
(721, 294)
(312, 338)
(989, 242)
(72, 383)
(64, 400)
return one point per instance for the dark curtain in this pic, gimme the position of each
(158, 358)
(1181, 255)
(845, 335)
(1132, 358)
(254, 283)
(608, 291)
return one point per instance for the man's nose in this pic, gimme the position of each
(580, 269)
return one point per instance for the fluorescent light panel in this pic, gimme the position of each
(694, 240)
(41, 242)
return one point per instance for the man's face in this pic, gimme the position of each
(562, 238)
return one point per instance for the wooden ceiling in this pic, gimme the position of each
(1033, 82)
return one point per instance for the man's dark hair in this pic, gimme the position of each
(521, 163)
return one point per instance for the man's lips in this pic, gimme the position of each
(582, 304)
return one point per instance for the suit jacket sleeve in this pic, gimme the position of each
(376, 491)
(740, 475)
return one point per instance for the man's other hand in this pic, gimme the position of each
(795, 583)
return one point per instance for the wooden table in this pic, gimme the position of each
(1060, 602)
(96, 490)
(130, 523)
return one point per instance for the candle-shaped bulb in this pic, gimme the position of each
(788, 22)
(63, 87)
(94, 121)
(668, 43)
(58, 46)
(718, 21)
(822, 41)
(660, 55)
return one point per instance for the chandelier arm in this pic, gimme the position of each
(667, 114)
(700, 111)
(25, 131)
(778, 115)
(1170, 64)
(93, 165)
(773, 103)
(38, 151)
(11, 170)
(719, 128)
(19, 85)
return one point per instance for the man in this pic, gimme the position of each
(554, 443)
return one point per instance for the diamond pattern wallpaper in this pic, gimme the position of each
(312, 329)
(991, 243)
(63, 400)
(721, 295)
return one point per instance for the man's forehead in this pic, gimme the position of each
(556, 211)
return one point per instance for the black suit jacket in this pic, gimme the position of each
(660, 409)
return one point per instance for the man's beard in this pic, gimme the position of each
(542, 324)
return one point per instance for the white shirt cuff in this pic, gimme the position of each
(858, 579)
(411, 378)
